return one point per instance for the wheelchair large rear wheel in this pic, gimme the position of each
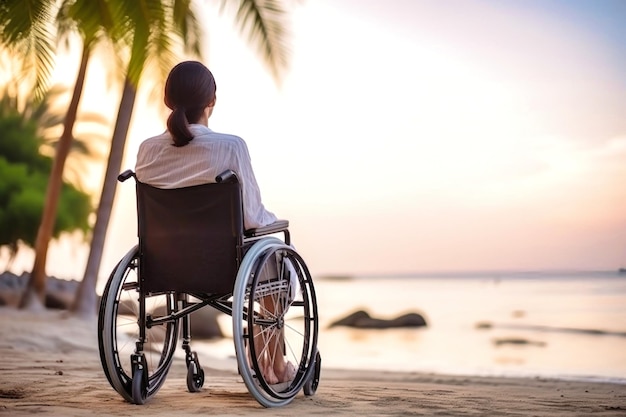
(274, 322)
(118, 332)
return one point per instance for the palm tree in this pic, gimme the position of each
(87, 16)
(153, 23)
(152, 28)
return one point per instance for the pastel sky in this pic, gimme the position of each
(413, 135)
(421, 135)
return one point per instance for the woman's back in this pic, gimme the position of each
(163, 165)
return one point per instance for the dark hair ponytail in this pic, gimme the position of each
(189, 89)
(178, 126)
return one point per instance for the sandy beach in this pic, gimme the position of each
(49, 365)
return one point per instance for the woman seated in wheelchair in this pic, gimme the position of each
(189, 153)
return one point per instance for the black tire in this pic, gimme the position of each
(118, 331)
(288, 333)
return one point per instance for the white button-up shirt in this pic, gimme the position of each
(163, 165)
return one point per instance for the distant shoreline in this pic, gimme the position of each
(496, 274)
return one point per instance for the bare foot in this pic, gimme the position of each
(287, 373)
(269, 375)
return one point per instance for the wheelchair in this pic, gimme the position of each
(193, 252)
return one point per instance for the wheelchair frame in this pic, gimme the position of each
(151, 293)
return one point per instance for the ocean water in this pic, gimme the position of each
(560, 324)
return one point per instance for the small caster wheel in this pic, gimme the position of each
(195, 377)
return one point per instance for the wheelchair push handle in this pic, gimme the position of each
(227, 176)
(126, 175)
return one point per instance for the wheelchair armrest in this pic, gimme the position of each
(276, 227)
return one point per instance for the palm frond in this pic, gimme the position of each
(163, 51)
(158, 29)
(26, 27)
(187, 26)
(144, 17)
(263, 22)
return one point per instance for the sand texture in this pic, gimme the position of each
(49, 365)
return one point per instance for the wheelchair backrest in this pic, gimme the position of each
(190, 239)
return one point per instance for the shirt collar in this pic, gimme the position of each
(197, 129)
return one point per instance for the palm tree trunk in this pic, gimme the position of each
(35, 293)
(85, 300)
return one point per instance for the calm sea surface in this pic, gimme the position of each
(566, 325)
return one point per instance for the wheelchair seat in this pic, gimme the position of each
(193, 252)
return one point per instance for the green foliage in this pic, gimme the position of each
(23, 180)
(40, 118)
(15, 149)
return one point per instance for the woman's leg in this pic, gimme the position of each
(269, 342)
